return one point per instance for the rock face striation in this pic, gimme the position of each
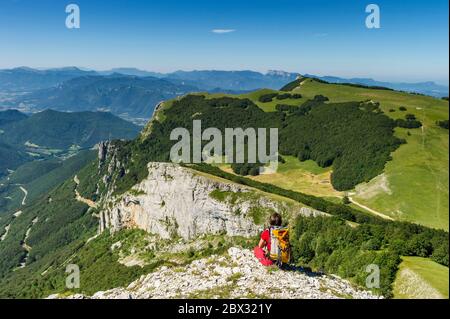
(176, 201)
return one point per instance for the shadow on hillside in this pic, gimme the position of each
(304, 270)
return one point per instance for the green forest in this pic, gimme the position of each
(355, 134)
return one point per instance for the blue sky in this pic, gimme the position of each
(307, 36)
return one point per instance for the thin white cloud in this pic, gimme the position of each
(222, 31)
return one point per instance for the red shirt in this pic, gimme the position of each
(265, 235)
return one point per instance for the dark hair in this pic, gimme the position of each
(275, 220)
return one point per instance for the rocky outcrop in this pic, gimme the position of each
(176, 201)
(155, 117)
(102, 152)
(109, 164)
(235, 275)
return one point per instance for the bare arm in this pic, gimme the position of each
(262, 243)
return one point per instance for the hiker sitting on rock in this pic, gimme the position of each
(274, 244)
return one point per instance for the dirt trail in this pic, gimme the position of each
(81, 199)
(8, 227)
(25, 245)
(6, 232)
(370, 209)
(25, 192)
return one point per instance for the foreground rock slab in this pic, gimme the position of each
(236, 275)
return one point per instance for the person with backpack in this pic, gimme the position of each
(273, 247)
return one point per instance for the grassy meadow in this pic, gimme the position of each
(415, 183)
(420, 278)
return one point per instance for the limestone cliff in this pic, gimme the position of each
(177, 201)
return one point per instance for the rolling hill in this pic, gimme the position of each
(60, 130)
(413, 186)
(10, 116)
(10, 158)
(24, 79)
(38, 178)
(50, 133)
(428, 88)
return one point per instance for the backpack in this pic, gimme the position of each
(280, 249)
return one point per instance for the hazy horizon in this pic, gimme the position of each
(315, 37)
(444, 83)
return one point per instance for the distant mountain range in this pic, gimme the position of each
(234, 80)
(133, 94)
(214, 80)
(28, 79)
(119, 94)
(132, 71)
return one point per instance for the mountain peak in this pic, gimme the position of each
(66, 68)
(24, 68)
(280, 73)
